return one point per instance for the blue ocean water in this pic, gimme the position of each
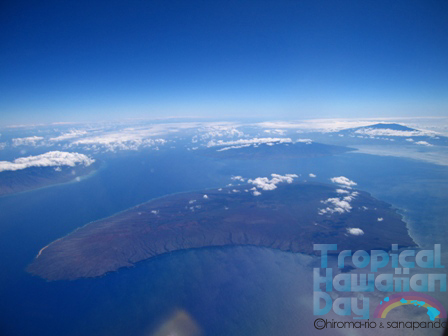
(228, 291)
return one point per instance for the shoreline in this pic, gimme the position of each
(280, 221)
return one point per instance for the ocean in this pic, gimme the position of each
(225, 291)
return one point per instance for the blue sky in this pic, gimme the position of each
(92, 60)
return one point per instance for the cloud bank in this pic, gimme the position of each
(49, 159)
(391, 132)
(248, 142)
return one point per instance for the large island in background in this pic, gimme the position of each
(292, 217)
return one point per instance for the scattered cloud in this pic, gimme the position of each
(218, 131)
(113, 138)
(423, 143)
(205, 196)
(275, 131)
(380, 219)
(49, 159)
(265, 183)
(306, 141)
(232, 147)
(337, 204)
(28, 141)
(118, 141)
(343, 181)
(355, 231)
(312, 175)
(70, 135)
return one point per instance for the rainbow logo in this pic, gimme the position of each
(434, 307)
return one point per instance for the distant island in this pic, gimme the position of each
(34, 172)
(291, 218)
(40, 177)
(279, 148)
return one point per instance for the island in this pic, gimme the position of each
(12, 182)
(304, 148)
(44, 170)
(292, 217)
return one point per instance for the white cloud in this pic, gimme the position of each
(380, 219)
(342, 191)
(114, 138)
(49, 159)
(238, 178)
(2, 145)
(232, 147)
(70, 135)
(338, 205)
(218, 131)
(323, 125)
(126, 140)
(205, 196)
(256, 193)
(410, 139)
(391, 132)
(423, 143)
(247, 142)
(307, 141)
(343, 181)
(275, 131)
(28, 141)
(271, 184)
(355, 231)
(311, 175)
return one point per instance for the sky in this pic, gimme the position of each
(63, 61)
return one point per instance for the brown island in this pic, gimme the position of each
(12, 182)
(286, 218)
